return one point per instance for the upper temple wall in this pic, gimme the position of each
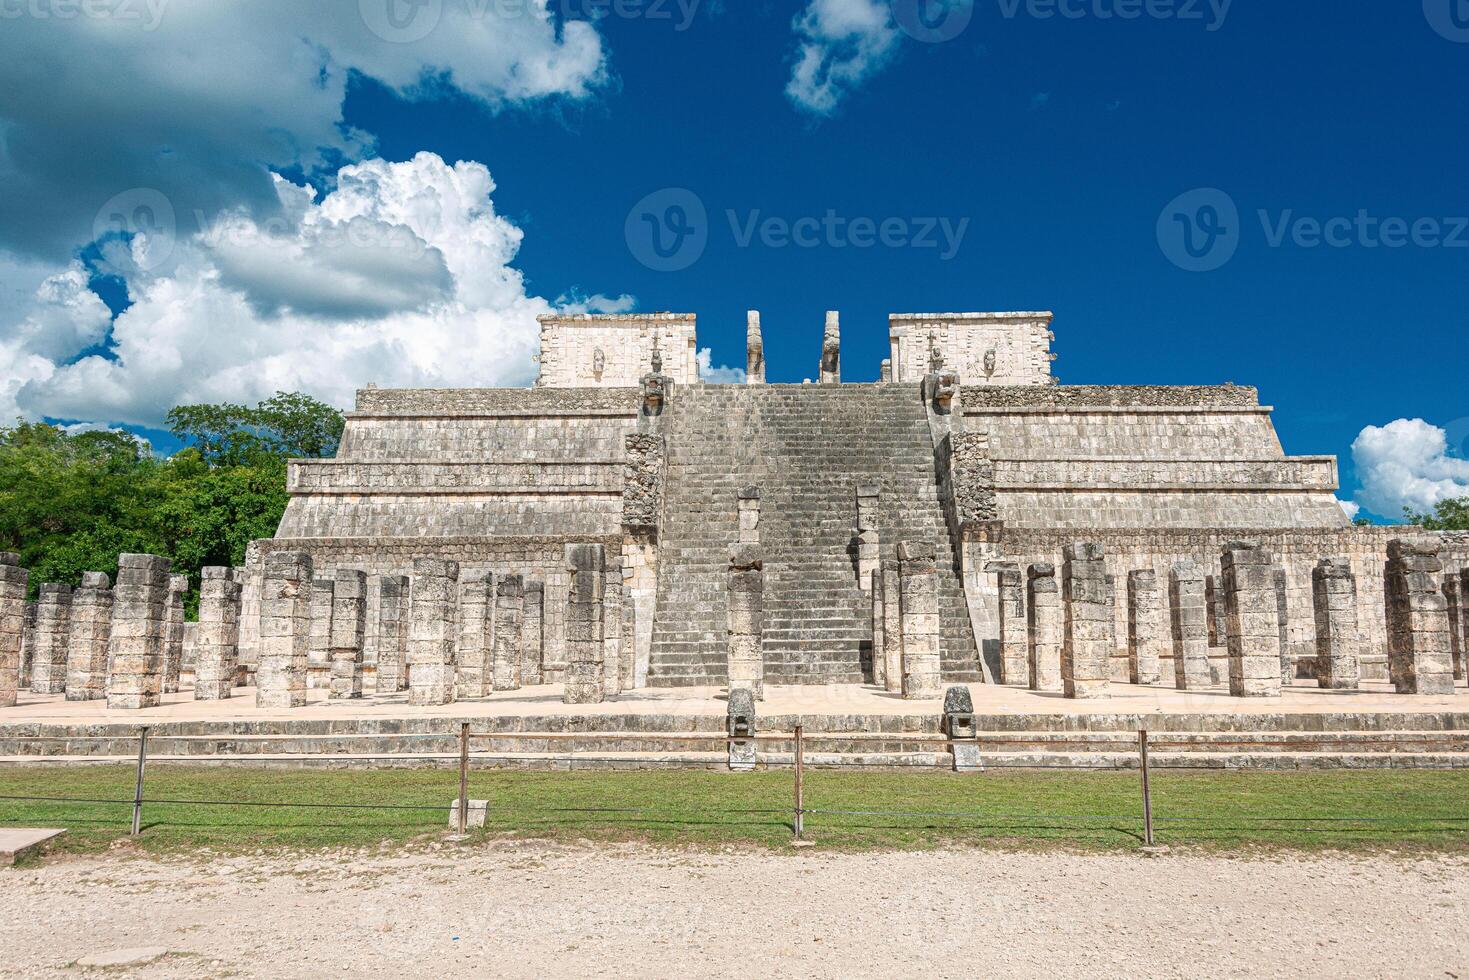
(983, 348)
(616, 350)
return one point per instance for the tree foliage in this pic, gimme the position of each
(72, 503)
(1448, 515)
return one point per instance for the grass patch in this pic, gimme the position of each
(1419, 810)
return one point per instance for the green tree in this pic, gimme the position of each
(72, 503)
(1448, 515)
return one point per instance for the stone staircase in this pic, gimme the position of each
(807, 448)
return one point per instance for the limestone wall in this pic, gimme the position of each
(1020, 342)
(616, 350)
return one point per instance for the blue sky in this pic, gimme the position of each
(1049, 147)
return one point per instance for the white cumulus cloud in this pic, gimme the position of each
(200, 100)
(401, 276)
(721, 375)
(842, 43)
(1406, 464)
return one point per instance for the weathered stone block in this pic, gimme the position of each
(14, 582)
(285, 630)
(1086, 647)
(1253, 620)
(53, 626)
(1419, 654)
(584, 665)
(1045, 622)
(918, 581)
(1145, 627)
(509, 628)
(89, 633)
(432, 630)
(173, 645)
(348, 633)
(216, 667)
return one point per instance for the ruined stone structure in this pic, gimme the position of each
(1145, 628)
(433, 625)
(173, 640)
(1338, 644)
(1189, 623)
(968, 441)
(88, 636)
(216, 665)
(1250, 603)
(1418, 621)
(746, 619)
(1046, 628)
(285, 630)
(139, 630)
(53, 625)
(349, 629)
(13, 583)
(1085, 657)
(584, 673)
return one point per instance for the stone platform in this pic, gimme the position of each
(1305, 728)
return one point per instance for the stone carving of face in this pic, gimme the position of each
(599, 362)
(989, 361)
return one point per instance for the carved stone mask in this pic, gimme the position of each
(989, 361)
(599, 361)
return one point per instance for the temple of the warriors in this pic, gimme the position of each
(964, 530)
(967, 444)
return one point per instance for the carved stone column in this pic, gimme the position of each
(1085, 657)
(432, 630)
(867, 536)
(1253, 620)
(584, 681)
(473, 672)
(285, 630)
(217, 665)
(349, 631)
(14, 581)
(53, 626)
(1014, 626)
(1418, 620)
(1145, 630)
(1189, 622)
(746, 616)
(1338, 641)
(919, 596)
(88, 636)
(1045, 627)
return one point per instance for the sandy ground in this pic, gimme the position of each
(545, 910)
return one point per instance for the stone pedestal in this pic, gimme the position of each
(1338, 640)
(959, 725)
(892, 627)
(740, 726)
(1145, 627)
(173, 643)
(922, 677)
(533, 650)
(1189, 625)
(349, 631)
(139, 625)
(53, 626)
(509, 621)
(868, 559)
(392, 650)
(90, 631)
(584, 625)
(1085, 655)
(1045, 629)
(612, 627)
(473, 667)
(217, 666)
(285, 630)
(318, 647)
(746, 618)
(432, 629)
(14, 581)
(1417, 618)
(1014, 626)
(1252, 620)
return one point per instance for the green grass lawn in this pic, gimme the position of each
(1421, 810)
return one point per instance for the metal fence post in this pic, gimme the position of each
(800, 821)
(464, 778)
(1142, 748)
(138, 787)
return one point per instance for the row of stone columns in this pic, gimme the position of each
(1066, 645)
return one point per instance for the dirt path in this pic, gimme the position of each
(539, 910)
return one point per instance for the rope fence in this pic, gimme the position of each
(800, 759)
